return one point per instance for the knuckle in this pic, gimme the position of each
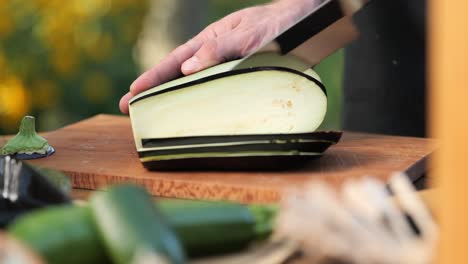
(212, 50)
(251, 42)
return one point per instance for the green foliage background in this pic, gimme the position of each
(63, 61)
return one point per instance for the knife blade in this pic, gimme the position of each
(317, 35)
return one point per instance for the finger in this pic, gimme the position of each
(123, 104)
(221, 49)
(213, 52)
(167, 69)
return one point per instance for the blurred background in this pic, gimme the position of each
(63, 61)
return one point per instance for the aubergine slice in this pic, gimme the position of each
(313, 147)
(248, 161)
(185, 142)
(259, 117)
(257, 100)
(252, 153)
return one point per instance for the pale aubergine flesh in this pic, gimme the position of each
(260, 117)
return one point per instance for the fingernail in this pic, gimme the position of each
(191, 65)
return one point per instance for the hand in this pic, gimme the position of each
(234, 36)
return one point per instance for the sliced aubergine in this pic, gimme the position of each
(186, 142)
(260, 116)
(311, 142)
(234, 162)
(281, 152)
(264, 99)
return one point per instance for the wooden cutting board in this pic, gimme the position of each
(100, 151)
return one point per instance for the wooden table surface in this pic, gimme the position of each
(100, 151)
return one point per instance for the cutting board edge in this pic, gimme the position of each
(236, 187)
(181, 189)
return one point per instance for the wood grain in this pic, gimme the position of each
(100, 151)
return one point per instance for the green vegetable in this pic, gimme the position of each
(27, 140)
(203, 228)
(64, 234)
(58, 179)
(207, 228)
(131, 227)
(265, 216)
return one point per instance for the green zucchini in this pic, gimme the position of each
(207, 228)
(58, 179)
(203, 228)
(63, 234)
(130, 226)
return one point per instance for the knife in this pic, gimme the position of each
(317, 35)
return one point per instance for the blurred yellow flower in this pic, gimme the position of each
(53, 46)
(119, 5)
(3, 64)
(97, 87)
(101, 49)
(87, 8)
(65, 61)
(44, 94)
(14, 101)
(7, 25)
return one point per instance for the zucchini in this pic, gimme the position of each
(58, 179)
(130, 226)
(64, 234)
(207, 228)
(203, 228)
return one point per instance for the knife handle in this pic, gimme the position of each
(325, 15)
(325, 30)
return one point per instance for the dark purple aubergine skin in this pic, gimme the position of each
(252, 163)
(318, 147)
(328, 136)
(279, 142)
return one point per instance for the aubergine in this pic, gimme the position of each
(255, 152)
(185, 142)
(261, 110)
